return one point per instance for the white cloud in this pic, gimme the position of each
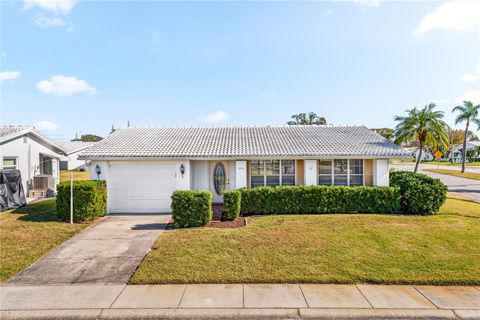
(9, 75)
(328, 12)
(217, 116)
(46, 126)
(471, 95)
(467, 77)
(55, 6)
(368, 3)
(65, 86)
(46, 22)
(453, 15)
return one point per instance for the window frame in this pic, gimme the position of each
(332, 172)
(10, 158)
(280, 174)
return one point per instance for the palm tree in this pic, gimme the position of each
(307, 119)
(468, 113)
(425, 126)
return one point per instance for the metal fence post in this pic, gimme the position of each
(71, 197)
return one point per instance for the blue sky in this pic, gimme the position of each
(71, 66)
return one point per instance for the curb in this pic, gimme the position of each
(241, 314)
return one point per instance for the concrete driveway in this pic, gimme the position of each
(468, 188)
(106, 253)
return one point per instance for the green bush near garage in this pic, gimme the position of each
(89, 200)
(191, 208)
(421, 194)
(232, 204)
(319, 199)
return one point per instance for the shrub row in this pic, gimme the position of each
(89, 200)
(191, 208)
(421, 194)
(319, 199)
(232, 204)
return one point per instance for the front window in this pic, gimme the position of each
(340, 175)
(288, 172)
(325, 172)
(356, 172)
(272, 173)
(340, 172)
(257, 168)
(10, 163)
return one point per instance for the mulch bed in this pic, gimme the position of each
(237, 223)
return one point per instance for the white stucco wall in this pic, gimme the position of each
(200, 175)
(27, 150)
(380, 172)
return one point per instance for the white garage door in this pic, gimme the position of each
(142, 188)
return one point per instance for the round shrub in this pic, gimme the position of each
(421, 194)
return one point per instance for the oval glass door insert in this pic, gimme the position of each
(219, 178)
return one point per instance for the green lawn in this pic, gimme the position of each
(456, 173)
(28, 233)
(330, 248)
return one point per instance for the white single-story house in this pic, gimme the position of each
(426, 154)
(143, 166)
(37, 157)
(456, 152)
(73, 149)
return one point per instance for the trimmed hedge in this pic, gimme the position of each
(191, 208)
(232, 204)
(319, 199)
(89, 200)
(421, 194)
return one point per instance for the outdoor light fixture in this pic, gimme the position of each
(182, 169)
(98, 171)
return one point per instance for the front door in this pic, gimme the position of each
(219, 181)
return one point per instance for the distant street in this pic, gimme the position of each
(466, 187)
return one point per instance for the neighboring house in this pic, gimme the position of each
(143, 166)
(426, 154)
(456, 152)
(37, 157)
(73, 149)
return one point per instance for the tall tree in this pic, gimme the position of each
(307, 119)
(424, 125)
(387, 133)
(467, 113)
(88, 138)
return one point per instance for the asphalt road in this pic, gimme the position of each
(468, 188)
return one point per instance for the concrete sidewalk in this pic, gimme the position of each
(239, 301)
